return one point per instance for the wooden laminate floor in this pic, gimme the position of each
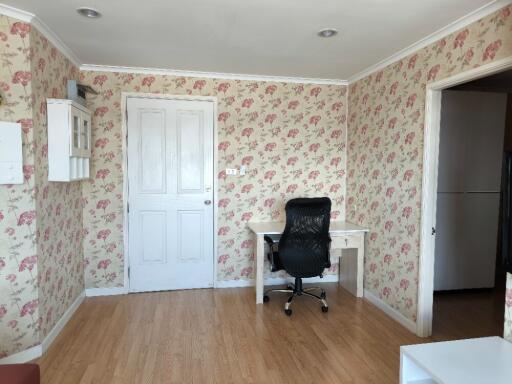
(469, 314)
(221, 336)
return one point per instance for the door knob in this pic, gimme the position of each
(207, 202)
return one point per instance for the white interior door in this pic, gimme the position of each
(170, 182)
(468, 192)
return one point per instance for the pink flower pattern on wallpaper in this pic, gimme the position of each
(19, 328)
(385, 145)
(41, 260)
(508, 309)
(59, 206)
(291, 138)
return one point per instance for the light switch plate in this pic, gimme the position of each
(11, 153)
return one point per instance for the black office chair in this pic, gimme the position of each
(303, 249)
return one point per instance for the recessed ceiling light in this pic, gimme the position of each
(91, 13)
(327, 32)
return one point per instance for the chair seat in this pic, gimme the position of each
(19, 374)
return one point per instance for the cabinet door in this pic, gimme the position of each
(75, 125)
(85, 135)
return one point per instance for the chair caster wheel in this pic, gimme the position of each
(323, 295)
(266, 299)
(288, 312)
(324, 308)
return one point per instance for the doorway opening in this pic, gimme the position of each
(460, 250)
(469, 278)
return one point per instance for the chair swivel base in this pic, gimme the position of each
(297, 290)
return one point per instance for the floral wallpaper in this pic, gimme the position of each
(508, 309)
(18, 256)
(41, 259)
(385, 146)
(291, 138)
(58, 205)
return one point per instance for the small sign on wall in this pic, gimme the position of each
(11, 153)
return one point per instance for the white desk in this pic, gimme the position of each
(487, 360)
(344, 235)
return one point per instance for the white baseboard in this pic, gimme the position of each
(391, 312)
(38, 350)
(92, 292)
(237, 283)
(59, 326)
(23, 356)
(273, 281)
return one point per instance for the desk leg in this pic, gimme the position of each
(352, 269)
(360, 268)
(260, 261)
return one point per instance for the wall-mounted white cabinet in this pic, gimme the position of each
(69, 140)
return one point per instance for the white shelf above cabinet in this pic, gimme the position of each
(69, 140)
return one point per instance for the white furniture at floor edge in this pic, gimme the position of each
(486, 360)
(69, 140)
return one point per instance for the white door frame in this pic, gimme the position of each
(429, 185)
(124, 98)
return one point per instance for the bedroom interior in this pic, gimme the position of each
(149, 171)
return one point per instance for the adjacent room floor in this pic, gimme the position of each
(221, 336)
(468, 314)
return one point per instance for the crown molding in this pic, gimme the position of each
(16, 13)
(66, 51)
(210, 75)
(460, 23)
(37, 23)
(56, 41)
(433, 37)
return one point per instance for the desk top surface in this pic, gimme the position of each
(469, 361)
(277, 227)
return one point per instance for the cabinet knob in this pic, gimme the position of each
(207, 202)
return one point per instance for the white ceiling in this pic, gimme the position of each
(262, 37)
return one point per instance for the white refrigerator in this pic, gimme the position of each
(468, 198)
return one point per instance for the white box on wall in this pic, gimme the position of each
(11, 153)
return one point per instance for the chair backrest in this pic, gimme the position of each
(304, 244)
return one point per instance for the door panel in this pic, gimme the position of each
(75, 134)
(170, 176)
(152, 151)
(190, 222)
(153, 237)
(471, 141)
(190, 155)
(465, 253)
(85, 140)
